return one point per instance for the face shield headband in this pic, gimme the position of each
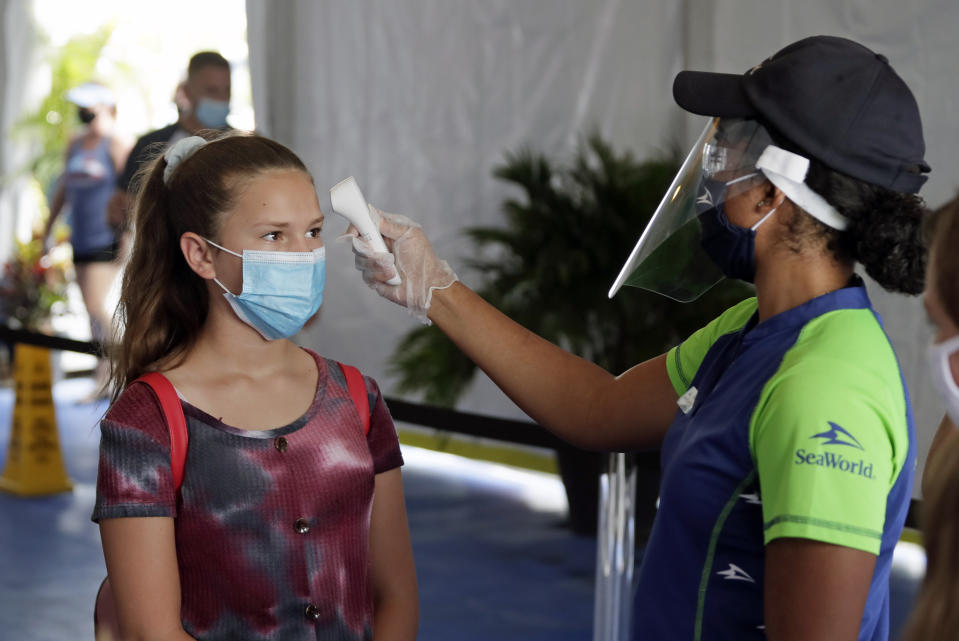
(787, 171)
(669, 258)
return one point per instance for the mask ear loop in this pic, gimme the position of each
(771, 212)
(742, 178)
(747, 177)
(943, 351)
(223, 287)
(763, 219)
(223, 248)
(215, 280)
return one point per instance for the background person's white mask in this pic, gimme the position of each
(942, 378)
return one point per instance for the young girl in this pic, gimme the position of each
(289, 523)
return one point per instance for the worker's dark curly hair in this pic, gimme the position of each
(885, 232)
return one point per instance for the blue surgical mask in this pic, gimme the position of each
(731, 247)
(281, 290)
(212, 113)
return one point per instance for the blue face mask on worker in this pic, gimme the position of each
(212, 113)
(731, 247)
(281, 290)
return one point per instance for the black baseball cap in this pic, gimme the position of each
(833, 98)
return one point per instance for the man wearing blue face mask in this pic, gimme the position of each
(203, 102)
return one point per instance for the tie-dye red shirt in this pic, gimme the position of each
(272, 526)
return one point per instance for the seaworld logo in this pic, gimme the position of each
(836, 435)
(835, 461)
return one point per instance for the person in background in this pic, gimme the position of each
(934, 614)
(93, 160)
(203, 102)
(942, 305)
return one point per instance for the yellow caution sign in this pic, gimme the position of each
(34, 461)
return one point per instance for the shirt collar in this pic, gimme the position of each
(852, 296)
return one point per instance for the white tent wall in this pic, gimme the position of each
(16, 54)
(419, 99)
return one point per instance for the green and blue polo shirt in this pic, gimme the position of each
(799, 426)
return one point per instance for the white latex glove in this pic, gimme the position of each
(412, 257)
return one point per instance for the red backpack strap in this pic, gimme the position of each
(354, 381)
(176, 422)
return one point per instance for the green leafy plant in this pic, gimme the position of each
(50, 125)
(31, 286)
(550, 266)
(33, 283)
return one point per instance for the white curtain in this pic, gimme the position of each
(16, 51)
(419, 99)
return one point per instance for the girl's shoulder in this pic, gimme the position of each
(335, 371)
(137, 406)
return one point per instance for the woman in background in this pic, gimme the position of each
(93, 159)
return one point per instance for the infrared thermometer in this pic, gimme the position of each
(348, 202)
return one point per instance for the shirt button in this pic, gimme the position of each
(302, 526)
(280, 444)
(312, 612)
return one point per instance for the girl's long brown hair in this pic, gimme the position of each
(163, 303)
(945, 260)
(935, 614)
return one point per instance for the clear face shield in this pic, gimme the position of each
(668, 258)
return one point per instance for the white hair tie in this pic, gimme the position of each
(183, 149)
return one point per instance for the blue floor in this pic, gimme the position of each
(494, 560)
